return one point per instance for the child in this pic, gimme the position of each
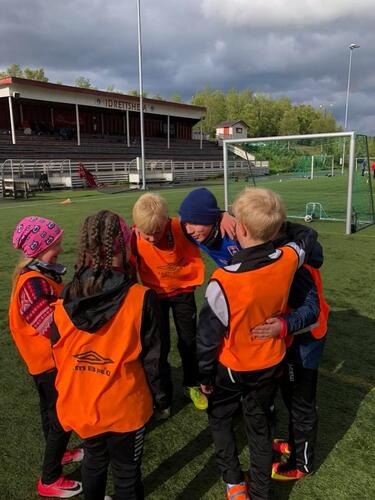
(37, 282)
(299, 381)
(202, 220)
(107, 347)
(171, 265)
(234, 366)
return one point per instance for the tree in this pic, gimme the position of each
(158, 97)
(136, 93)
(111, 88)
(12, 70)
(214, 101)
(35, 74)
(232, 105)
(31, 74)
(306, 115)
(176, 98)
(83, 83)
(289, 123)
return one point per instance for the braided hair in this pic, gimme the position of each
(98, 234)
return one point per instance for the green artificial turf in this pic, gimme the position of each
(178, 461)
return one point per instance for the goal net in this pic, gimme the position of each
(319, 176)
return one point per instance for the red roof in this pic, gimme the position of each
(9, 80)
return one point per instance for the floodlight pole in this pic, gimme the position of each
(352, 46)
(141, 96)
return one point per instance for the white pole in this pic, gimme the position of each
(348, 89)
(141, 94)
(168, 132)
(201, 138)
(78, 129)
(225, 154)
(312, 167)
(11, 120)
(70, 174)
(349, 208)
(127, 128)
(352, 46)
(343, 156)
(332, 165)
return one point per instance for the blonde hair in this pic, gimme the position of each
(150, 213)
(23, 262)
(261, 211)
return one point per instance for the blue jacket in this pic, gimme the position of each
(223, 250)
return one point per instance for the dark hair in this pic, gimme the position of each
(96, 252)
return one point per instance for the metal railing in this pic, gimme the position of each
(64, 173)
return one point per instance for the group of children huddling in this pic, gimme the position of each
(98, 347)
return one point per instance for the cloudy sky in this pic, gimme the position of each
(297, 48)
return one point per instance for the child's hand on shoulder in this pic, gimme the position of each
(228, 226)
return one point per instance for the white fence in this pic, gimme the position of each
(64, 173)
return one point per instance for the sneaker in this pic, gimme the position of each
(199, 399)
(70, 456)
(162, 414)
(280, 472)
(237, 492)
(62, 488)
(281, 446)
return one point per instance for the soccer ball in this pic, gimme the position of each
(308, 218)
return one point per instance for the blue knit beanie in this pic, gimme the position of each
(199, 207)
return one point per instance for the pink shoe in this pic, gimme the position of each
(62, 488)
(74, 455)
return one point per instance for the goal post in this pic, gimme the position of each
(307, 168)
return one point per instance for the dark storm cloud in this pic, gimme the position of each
(300, 51)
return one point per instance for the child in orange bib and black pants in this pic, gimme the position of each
(37, 282)
(171, 265)
(234, 366)
(107, 348)
(305, 341)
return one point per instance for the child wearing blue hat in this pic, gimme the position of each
(201, 217)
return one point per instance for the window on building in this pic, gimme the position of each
(239, 130)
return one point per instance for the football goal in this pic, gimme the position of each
(317, 175)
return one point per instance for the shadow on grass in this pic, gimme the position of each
(345, 378)
(179, 399)
(205, 478)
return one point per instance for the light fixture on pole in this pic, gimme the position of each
(141, 96)
(323, 107)
(352, 46)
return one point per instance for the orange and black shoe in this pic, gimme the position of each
(285, 472)
(281, 446)
(237, 491)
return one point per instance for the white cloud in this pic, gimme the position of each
(276, 13)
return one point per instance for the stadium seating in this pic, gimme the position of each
(100, 148)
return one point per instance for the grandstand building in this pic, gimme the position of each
(38, 107)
